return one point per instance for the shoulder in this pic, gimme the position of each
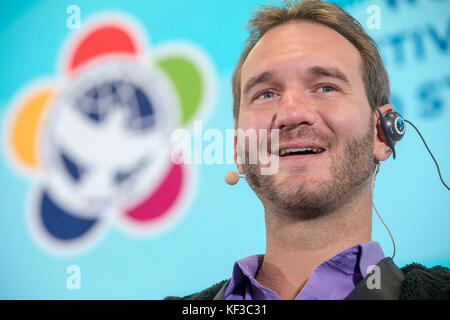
(422, 283)
(207, 294)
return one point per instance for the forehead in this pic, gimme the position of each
(299, 45)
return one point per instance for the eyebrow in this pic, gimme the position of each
(263, 77)
(331, 72)
(315, 72)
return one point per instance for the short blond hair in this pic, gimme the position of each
(373, 72)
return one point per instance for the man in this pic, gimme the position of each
(311, 72)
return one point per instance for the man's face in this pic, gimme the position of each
(305, 80)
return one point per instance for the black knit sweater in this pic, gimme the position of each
(422, 283)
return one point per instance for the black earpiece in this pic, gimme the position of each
(393, 126)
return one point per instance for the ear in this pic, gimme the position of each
(239, 166)
(381, 149)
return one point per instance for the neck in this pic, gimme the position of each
(295, 247)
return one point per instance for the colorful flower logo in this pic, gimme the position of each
(97, 137)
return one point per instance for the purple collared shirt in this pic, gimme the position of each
(333, 279)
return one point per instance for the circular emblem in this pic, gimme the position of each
(106, 138)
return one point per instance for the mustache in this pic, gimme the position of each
(302, 132)
(265, 145)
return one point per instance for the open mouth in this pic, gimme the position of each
(299, 151)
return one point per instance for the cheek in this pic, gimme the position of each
(342, 126)
(256, 119)
(254, 132)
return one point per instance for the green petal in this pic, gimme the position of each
(187, 81)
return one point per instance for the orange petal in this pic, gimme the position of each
(25, 127)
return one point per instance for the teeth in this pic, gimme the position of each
(290, 150)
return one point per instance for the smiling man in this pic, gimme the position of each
(311, 72)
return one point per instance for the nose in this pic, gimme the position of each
(294, 109)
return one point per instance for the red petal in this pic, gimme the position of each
(102, 40)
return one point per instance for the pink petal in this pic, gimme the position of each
(160, 201)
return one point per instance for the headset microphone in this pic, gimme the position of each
(393, 125)
(394, 129)
(232, 177)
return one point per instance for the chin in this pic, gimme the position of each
(294, 179)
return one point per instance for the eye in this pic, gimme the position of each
(328, 88)
(73, 169)
(265, 94)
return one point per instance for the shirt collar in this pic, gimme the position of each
(371, 254)
(361, 256)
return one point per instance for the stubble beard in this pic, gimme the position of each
(350, 172)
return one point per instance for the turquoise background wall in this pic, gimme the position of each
(218, 224)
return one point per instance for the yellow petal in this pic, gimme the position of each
(26, 125)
